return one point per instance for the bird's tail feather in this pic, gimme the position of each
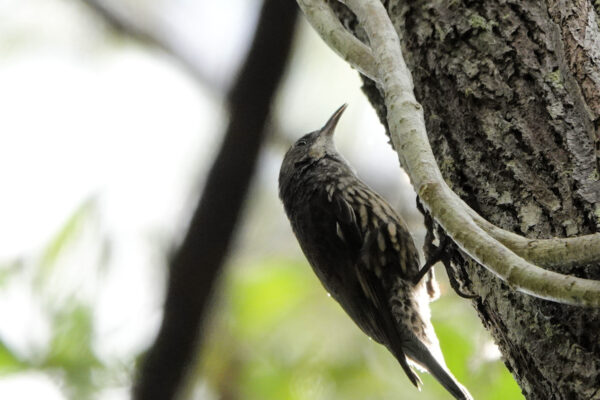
(421, 355)
(447, 380)
(414, 378)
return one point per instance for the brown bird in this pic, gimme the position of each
(362, 252)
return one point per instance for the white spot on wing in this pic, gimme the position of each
(364, 218)
(392, 231)
(393, 235)
(378, 211)
(338, 231)
(381, 241)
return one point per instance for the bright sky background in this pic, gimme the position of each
(86, 114)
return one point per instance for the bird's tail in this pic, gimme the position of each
(445, 377)
(422, 356)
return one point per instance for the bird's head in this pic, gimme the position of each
(312, 146)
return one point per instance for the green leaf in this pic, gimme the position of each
(9, 361)
(71, 350)
(65, 237)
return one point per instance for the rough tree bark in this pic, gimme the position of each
(511, 93)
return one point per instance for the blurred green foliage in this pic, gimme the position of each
(9, 361)
(70, 352)
(66, 235)
(68, 356)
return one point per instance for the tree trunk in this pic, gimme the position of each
(511, 93)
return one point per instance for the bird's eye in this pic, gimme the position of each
(301, 142)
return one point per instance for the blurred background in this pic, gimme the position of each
(107, 133)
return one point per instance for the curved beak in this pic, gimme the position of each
(329, 127)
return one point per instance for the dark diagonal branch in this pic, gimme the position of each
(204, 249)
(121, 22)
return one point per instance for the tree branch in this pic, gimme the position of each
(324, 21)
(407, 127)
(122, 23)
(554, 252)
(195, 265)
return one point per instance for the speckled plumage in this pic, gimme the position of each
(362, 252)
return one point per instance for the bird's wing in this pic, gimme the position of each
(366, 299)
(393, 242)
(366, 270)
